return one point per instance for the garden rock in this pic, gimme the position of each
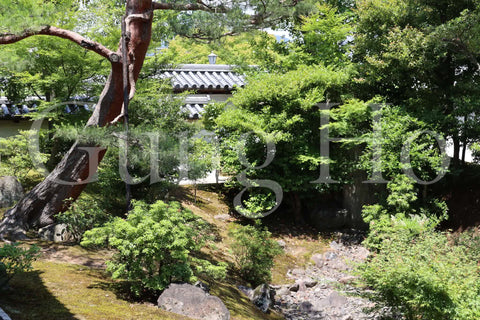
(282, 292)
(193, 302)
(324, 290)
(318, 260)
(263, 297)
(203, 286)
(282, 244)
(55, 232)
(10, 191)
(223, 217)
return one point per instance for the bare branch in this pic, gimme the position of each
(131, 80)
(199, 6)
(121, 115)
(65, 34)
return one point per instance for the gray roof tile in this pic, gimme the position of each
(204, 77)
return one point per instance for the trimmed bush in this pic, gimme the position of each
(155, 246)
(254, 251)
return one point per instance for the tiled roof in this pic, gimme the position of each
(204, 77)
(195, 105)
(14, 111)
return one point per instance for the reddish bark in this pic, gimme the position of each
(37, 208)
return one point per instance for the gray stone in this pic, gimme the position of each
(318, 260)
(334, 245)
(263, 297)
(283, 291)
(203, 286)
(246, 290)
(55, 232)
(222, 217)
(310, 283)
(303, 284)
(330, 256)
(193, 302)
(347, 279)
(282, 244)
(3, 315)
(10, 191)
(296, 272)
(362, 254)
(305, 306)
(294, 287)
(333, 300)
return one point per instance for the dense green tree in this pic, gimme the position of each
(198, 19)
(321, 36)
(280, 109)
(422, 55)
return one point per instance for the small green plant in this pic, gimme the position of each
(15, 260)
(399, 215)
(156, 245)
(426, 277)
(83, 214)
(16, 160)
(254, 251)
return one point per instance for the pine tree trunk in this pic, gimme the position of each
(39, 206)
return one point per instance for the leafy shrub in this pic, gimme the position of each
(254, 251)
(16, 159)
(257, 202)
(14, 260)
(154, 246)
(428, 276)
(399, 215)
(84, 214)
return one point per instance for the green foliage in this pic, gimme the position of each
(160, 139)
(384, 227)
(279, 108)
(236, 50)
(254, 251)
(428, 276)
(16, 159)
(40, 12)
(411, 52)
(15, 260)
(201, 159)
(400, 215)
(154, 245)
(257, 202)
(319, 36)
(82, 215)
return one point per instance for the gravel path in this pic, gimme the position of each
(325, 290)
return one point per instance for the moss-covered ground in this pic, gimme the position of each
(69, 282)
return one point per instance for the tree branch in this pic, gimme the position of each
(189, 7)
(462, 46)
(65, 34)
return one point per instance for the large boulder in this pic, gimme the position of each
(263, 297)
(193, 302)
(10, 191)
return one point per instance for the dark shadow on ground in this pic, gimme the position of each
(27, 298)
